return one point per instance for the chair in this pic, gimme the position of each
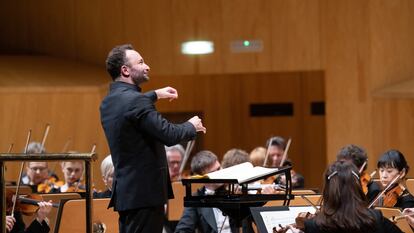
(71, 217)
(175, 206)
(394, 212)
(55, 198)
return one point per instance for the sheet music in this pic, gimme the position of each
(283, 217)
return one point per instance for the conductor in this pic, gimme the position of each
(136, 134)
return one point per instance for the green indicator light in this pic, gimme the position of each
(246, 43)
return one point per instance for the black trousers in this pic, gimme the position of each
(142, 220)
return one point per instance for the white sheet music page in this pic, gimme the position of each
(283, 217)
(241, 172)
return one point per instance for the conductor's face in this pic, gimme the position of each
(135, 68)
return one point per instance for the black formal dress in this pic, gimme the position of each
(136, 134)
(382, 225)
(35, 226)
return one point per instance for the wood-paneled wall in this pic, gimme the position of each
(368, 45)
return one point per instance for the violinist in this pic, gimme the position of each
(257, 156)
(234, 157)
(15, 224)
(206, 220)
(276, 148)
(358, 156)
(175, 155)
(344, 205)
(392, 164)
(72, 171)
(37, 173)
(107, 171)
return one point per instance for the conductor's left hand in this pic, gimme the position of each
(167, 93)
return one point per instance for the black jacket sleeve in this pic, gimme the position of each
(149, 120)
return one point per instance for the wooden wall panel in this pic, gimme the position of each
(295, 31)
(313, 159)
(368, 46)
(196, 20)
(391, 35)
(347, 108)
(148, 27)
(244, 21)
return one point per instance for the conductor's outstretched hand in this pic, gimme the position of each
(196, 121)
(167, 93)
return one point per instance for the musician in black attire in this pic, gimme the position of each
(40, 224)
(391, 164)
(136, 134)
(358, 156)
(344, 205)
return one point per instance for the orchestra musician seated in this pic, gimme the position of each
(393, 169)
(257, 156)
(276, 148)
(358, 156)
(15, 224)
(344, 206)
(72, 171)
(107, 171)
(206, 220)
(175, 155)
(37, 172)
(234, 157)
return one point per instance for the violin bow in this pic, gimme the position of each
(10, 148)
(45, 135)
(373, 173)
(361, 169)
(310, 203)
(267, 152)
(385, 190)
(187, 152)
(29, 135)
(284, 157)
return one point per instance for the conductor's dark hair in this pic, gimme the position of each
(116, 59)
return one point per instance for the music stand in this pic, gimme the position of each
(266, 218)
(233, 204)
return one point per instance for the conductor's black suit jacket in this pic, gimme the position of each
(136, 134)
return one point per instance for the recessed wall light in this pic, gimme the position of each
(197, 47)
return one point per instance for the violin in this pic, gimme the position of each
(299, 223)
(78, 187)
(365, 179)
(27, 205)
(391, 196)
(48, 185)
